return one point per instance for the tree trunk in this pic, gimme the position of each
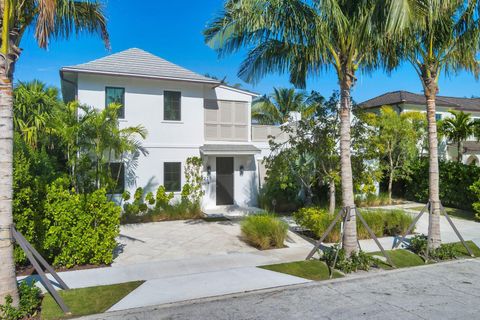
(331, 192)
(434, 237)
(350, 235)
(8, 283)
(459, 155)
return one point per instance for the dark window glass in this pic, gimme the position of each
(116, 95)
(172, 176)
(438, 116)
(117, 172)
(172, 101)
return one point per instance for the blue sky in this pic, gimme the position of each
(173, 30)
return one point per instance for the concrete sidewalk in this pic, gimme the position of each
(441, 291)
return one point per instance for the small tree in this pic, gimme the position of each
(394, 139)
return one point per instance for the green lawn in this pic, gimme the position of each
(87, 301)
(454, 212)
(462, 252)
(401, 259)
(308, 269)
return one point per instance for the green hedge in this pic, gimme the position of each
(80, 229)
(455, 182)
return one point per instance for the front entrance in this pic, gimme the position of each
(224, 189)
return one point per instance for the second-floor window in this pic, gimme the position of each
(116, 95)
(172, 105)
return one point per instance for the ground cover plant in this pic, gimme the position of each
(382, 222)
(29, 304)
(264, 231)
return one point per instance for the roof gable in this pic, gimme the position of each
(137, 62)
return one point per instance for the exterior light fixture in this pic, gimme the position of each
(209, 171)
(242, 169)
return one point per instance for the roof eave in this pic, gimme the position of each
(135, 75)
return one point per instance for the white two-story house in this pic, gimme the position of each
(186, 114)
(403, 101)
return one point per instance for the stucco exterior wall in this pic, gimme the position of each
(174, 141)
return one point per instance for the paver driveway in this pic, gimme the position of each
(171, 240)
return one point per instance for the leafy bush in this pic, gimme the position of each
(264, 231)
(29, 304)
(356, 261)
(455, 182)
(382, 222)
(151, 208)
(475, 188)
(80, 229)
(419, 243)
(373, 200)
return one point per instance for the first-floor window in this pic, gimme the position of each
(438, 116)
(117, 173)
(172, 176)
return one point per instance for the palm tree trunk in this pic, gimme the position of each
(459, 156)
(331, 192)
(434, 236)
(350, 235)
(8, 283)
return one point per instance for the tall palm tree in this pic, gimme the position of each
(277, 108)
(47, 19)
(434, 36)
(457, 129)
(304, 38)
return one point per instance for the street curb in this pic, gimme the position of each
(131, 313)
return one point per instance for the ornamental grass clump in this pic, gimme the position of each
(382, 222)
(264, 231)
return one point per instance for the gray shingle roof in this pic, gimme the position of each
(405, 97)
(471, 146)
(229, 148)
(137, 62)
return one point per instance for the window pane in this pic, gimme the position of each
(116, 95)
(172, 176)
(438, 116)
(172, 105)
(117, 173)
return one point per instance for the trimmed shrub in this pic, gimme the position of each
(29, 304)
(419, 243)
(357, 261)
(455, 182)
(382, 222)
(264, 231)
(80, 229)
(475, 188)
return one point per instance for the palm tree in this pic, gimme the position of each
(48, 19)
(33, 110)
(435, 36)
(303, 38)
(457, 129)
(277, 108)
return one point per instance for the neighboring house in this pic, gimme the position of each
(404, 101)
(186, 114)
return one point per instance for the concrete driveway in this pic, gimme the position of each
(172, 240)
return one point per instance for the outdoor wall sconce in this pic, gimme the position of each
(242, 169)
(209, 171)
